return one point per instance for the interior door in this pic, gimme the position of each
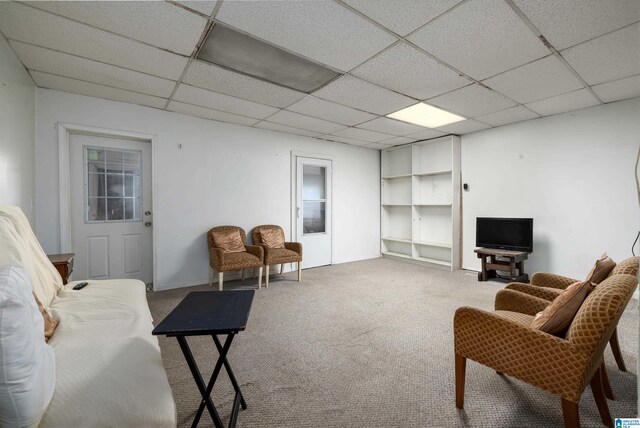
(313, 210)
(111, 208)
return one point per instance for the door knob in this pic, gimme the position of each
(147, 213)
(148, 224)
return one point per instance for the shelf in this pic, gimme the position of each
(434, 261)
(396, 205)
(391, 238)
(432, 244)
(391, 177)
(425, 174)
(432, 205)
(402, 255)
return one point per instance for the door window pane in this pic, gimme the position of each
(96, 209)
(115, 209)
(313, 182)
(115, 185)
(313, 220)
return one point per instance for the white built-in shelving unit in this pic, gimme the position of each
(420, 194)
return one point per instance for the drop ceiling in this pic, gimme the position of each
(493, 62)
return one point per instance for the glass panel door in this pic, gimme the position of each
(314, 200)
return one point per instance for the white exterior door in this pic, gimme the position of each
(111, 208)
(313, 210)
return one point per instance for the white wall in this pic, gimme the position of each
(17, 133)
(224, 174)
(573, 173)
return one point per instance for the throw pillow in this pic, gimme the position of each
(50, 324)
(601, 269)
(272, 238)
(228, 241)
(27, 363)
(556, 317)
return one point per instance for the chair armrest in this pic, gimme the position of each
(539, 292)
(543, 360)
(515, 301)
(256, 250)
(541, 279)
(215, 257)
(294, 246)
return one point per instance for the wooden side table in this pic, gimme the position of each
(514, 265)
(63, 263)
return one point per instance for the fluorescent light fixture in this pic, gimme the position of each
(241, 52)
(425, 115)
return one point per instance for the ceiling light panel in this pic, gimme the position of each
(312, 106)
(321, 30)
(510, 115)
(575, 100)
(409, 71)
(481, 38)
(426, 115)
(48, 61)
(619, 90)
(402, 16)
(23, 23)
(206, 113)
(205, 7)
(611, 57)
(286, 129)
(205, 98)
(45, 80)
(246, 54)
(472, 101)
(159, 24)
(540, 79)
(464, 127)
(357, 93)
(298, 120)
(391, 126)
(218, 79)
(362, 134)
(568, 22)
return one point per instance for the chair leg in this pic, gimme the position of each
(461, 365)
(281, 268)
(299, 271)
(253, 275)
(241, 274)
(220, 280)
(266, 276)
(259, 277)
(570, 413)
(211, 272)
(608, 392)
(615, 347)
(601, 401)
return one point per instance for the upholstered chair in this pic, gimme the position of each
(506, 342)
(547, 286)
(228, 253)
(269, 237)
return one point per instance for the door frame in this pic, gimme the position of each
(294, 184)
(64, 131)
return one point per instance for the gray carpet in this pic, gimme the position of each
(370, 344)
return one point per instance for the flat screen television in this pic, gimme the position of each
(505, 233)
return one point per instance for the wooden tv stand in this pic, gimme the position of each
(514, 265)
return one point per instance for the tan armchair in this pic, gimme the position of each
(291, 253)
(505, 341)
(222, 261)
(547, 286)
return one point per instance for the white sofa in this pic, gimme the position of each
(109, 370)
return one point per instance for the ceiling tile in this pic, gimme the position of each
(566, 102)
(301, 121)
(48, 61)
(327, 110)
(619, 90)
(205, 7)
(481, 38)
(362, 134)
(66, 84)
(157, 23)
(321, 30)
(540, 79)
(464, 127)
(221, 80)
(402, 16)
(510, 115)
(391, 126)
(378, 146)
(204, 98)
(354, 92)
(611, 57)
(206, 113)
(567, 22)
(427, 134)
(286, 129)
(472, 101)
(345, 140)
(23, 23)
(397, 141)
(396, 68)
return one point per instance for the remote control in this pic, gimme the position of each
(80, 285)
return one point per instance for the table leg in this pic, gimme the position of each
(484, 268)
(232, 377)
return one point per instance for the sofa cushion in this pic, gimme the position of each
(600, 269)
(27, 363)
(556, 317)
(236, 261)
(228, 241)
(50, 324)
(272, 237)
